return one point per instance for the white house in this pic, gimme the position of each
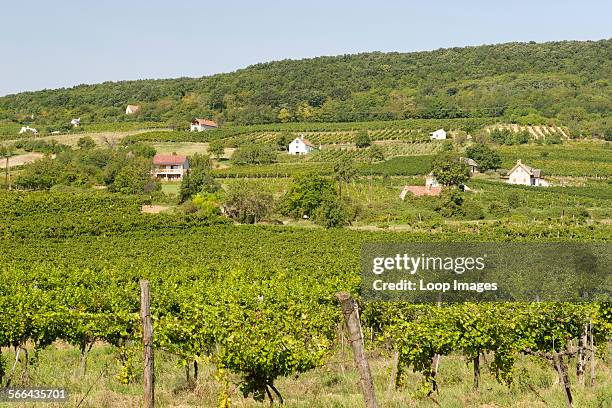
(75, 122)
(300, 145)
(439, 134)
(431, 181)
(170, 166)
(198, 125)
(522, 174)
(131, 109)
(25, 129)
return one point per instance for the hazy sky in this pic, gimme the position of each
(51, 44)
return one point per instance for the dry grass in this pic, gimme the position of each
(334, 385)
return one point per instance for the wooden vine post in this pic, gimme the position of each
(147, 340)
(355, 335)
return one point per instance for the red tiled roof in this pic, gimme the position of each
(169, 159)
(419, 191)
(205, 122)
(308, 143)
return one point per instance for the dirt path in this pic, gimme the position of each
(21, 159)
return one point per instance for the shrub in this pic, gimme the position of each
(306, 195)
(247, 204)
(362, 139)
(333, 212)
(486, 157)
(254, 154)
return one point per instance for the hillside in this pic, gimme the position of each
(561, 83)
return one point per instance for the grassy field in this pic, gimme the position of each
(334, 385)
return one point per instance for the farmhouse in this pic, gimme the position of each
(198, 125)
(25, 129)
(522, 174)
(75, 122)
(131, 109)
(300, 145)
(439, 134)
(170, 166)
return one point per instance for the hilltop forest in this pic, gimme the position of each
(564, 83)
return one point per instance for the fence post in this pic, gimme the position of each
(353, 325)
(147, 340)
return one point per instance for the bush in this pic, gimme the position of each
(470, 210)
(86, 143)
(498, 209)
(142, 150)
(254, 154)
(362, 139)
(247, 204)
(305, 195)
(486, 157)
(197, 180)
(449, 170)
(333, 212)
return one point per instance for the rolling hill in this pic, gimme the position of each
(564, 83)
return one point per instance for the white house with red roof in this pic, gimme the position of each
(300, 145)
(199, 125)
(170, 166)
(527, 176)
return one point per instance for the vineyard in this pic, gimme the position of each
(414, 130)
(256, 303)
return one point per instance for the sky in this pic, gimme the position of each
(53, 44)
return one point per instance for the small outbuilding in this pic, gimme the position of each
(439, 134)
(199, 125)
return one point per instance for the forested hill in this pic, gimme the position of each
(559, 81)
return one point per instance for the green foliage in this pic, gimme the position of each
(449, 170)
(344, 171)
(306, 195)
(475, 82)
(502, 136)
(197, 180)
(363, 139)
(41, 146)
(333, 212)
(217, 149)
(142, 150)
(86, 143)
(132, 179)
(208, 204)
(486, 157)
(247, 204)
(254, 154)
(376, 154)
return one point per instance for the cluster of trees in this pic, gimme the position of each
(124, 169)
(310, 196)
(527, 83)
(508, 137)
